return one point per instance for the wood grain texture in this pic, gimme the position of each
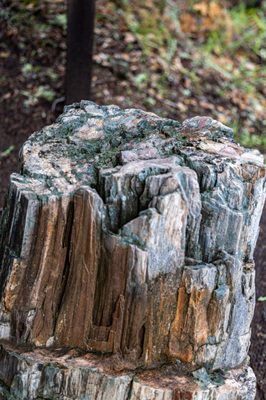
(131, 235)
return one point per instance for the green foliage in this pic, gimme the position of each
(150, 27)
(216, 67)
(27, 69)
(250, 28)
(41, 92)
(141, 79)
(44, 92)
(252, 140)
(150, 34)
(7, 152)
(248, 33)
(60, 20)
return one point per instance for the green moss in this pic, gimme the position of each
(205, 378)
(107, 159)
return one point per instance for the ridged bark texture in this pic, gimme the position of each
(130, 238)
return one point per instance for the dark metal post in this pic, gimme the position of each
(80, 29)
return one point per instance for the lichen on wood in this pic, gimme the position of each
(132, 236)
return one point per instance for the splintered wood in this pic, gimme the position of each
(126, 260)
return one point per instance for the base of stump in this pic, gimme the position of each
(64, 375)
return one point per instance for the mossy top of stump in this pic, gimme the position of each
(86, 137)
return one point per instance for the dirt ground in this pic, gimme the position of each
(258, 340)
(18, 121)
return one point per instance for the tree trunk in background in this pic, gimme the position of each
(80, 30)
(129, 238)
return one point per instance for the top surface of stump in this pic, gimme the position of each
(63, 156)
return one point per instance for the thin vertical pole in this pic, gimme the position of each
(80, 32)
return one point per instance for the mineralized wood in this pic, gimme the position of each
(32, 375)
(133, 236)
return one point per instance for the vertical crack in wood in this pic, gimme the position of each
(150, 276)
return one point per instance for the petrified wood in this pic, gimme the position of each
(129, 238)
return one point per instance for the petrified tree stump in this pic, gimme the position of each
(126, 256)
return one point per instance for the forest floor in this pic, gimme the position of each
(204, 58)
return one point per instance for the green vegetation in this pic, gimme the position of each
(7, 152)
(178, 59)
(206, 51)
(39, 92)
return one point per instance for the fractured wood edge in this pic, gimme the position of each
(218, 186)
(61, 375)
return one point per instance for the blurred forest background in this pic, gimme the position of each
(173, 57)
